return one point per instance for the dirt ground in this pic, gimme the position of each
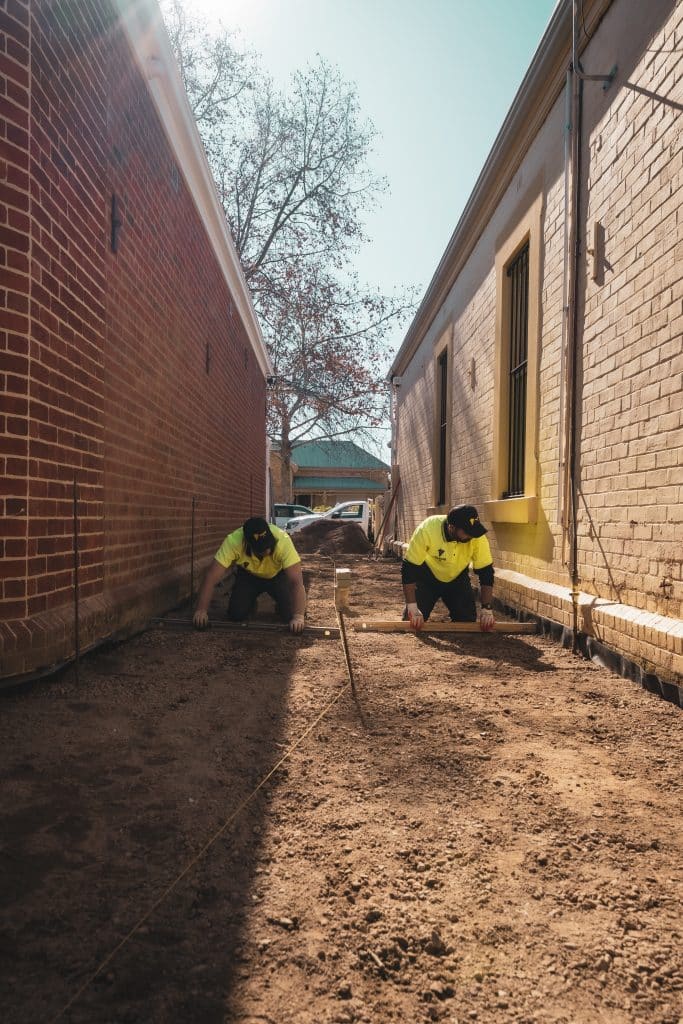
(206, 827)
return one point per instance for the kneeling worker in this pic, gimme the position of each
(267, 562)
(436, 565)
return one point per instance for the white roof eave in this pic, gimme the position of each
(149, 42)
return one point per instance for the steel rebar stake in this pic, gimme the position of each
(77, 631)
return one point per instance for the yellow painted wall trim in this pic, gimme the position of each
(511, 510)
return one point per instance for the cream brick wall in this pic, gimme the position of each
(471, 308)
(631, 368)
(631, 511)
(413, 440)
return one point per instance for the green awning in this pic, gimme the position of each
(337, 483)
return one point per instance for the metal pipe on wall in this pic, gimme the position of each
(564, 351)
(570, 517)
(572, 329)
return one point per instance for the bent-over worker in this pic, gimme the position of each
(437, 563)
(267, 562)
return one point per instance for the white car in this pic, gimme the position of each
(283, 512)
(346, 511)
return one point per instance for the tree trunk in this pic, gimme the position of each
(286, 458)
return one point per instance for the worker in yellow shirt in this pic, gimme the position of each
(267, 562)
(437, 563)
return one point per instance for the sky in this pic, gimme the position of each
(436, 78)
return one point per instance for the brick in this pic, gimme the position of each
(631, 442)
(88, 309)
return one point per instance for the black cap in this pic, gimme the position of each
(258, 536)
(467, 518)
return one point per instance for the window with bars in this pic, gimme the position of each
(518, 343)
(442, 426)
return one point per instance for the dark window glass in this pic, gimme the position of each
(518, 275)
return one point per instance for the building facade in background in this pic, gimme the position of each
(541, 377)
(325, 472)
(133, 414)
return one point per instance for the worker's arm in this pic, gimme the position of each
(214, 575)
(295, 579)
(408, 577)
(487, 620)
(410, 574)
(415, 616)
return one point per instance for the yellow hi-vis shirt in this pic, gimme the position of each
(233, 552)
(446, 559)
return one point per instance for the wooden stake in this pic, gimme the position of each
(342, 589)
(391, 626)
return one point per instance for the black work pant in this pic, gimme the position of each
(457, 595)
(247, 588)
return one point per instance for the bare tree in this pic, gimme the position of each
(328, 346)
(217, 74)
(293, 173)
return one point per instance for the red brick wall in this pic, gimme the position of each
(104, 354)
(14, 297)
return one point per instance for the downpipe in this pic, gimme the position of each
(575, 78)
(573, 330)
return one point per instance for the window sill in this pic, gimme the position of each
(511, 510)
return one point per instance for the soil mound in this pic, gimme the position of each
(330, 537)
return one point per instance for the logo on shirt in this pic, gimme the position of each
(441, 554)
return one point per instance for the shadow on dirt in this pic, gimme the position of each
(499, 648)
(132, 826)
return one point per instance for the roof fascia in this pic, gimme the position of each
(150, 45)
(532, 104)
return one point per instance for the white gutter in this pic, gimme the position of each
(149, 42)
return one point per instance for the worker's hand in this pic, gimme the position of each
(415, 617)
(296, 624)
(487, 623)
(200, 620)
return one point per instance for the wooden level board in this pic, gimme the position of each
(391, 626)
(331, 632)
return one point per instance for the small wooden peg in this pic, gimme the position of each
(342, 588)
